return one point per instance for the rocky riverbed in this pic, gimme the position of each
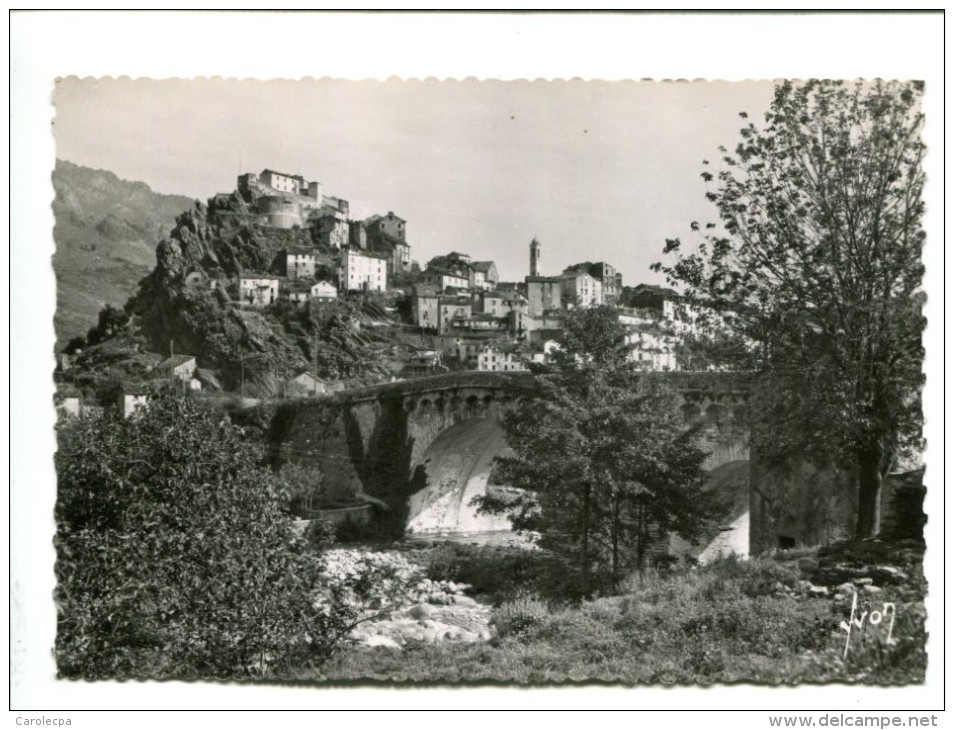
(398, 604)
(441, 611)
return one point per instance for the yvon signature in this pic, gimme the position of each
(874, 618)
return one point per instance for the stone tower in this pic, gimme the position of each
(534, 257)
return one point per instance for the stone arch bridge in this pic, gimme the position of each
(425, 447)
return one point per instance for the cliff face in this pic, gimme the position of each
(106, 231)
(188, 304)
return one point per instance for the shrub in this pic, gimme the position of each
(516, 617)
(753, 577)
(174, 554)
(320, 534)
(365, 584)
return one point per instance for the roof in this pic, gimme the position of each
(311, 376)
(544, 279)
(423, 290)
(507, 347)
(377, 216)
(546, 334)
(367, 254)
(573, 273)
(297, 286)
(483, 266)
(439, 272)
(175, 361)
(299, 250)
(469, 335)
(266, 171)
(458, 299)
(270, 277)
(655, 289)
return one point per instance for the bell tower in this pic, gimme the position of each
(534, 257)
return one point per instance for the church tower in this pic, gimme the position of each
(534, 257)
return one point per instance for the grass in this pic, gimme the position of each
(730, 621)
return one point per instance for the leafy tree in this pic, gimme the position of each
(304, 487)
(604, 455)
(175, 555)
(111, 321)
(819, 266)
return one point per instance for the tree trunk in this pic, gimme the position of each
(616, 508)
(641, 540)
(869, 493)
(585, 541)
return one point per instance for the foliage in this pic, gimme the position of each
(304, 486)
(111, 322)
(320, 534)
(606, 460)
(498, 574)
(366, 584)
(175, 557)
(516, 617)
(819, 267)
(724, 622)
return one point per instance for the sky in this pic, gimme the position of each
(596, 170)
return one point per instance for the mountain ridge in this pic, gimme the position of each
(106, 231)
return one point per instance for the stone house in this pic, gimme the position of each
(465, 347)
(258, 290)
(442, 280)
(580, 289)
(425, 307)
(132, 400)
(359, 271)
(305, 384)
(502, 357)
(294, 184)
(544, 293)
(296, 262)
(390, 224)
(454, 311)
(331, 224)
(323, 291)
(182, 367)
(483, 275)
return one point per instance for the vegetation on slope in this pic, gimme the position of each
(106, 231)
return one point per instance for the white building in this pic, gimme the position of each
(483, 275)
(362, 272)
(324, 291)
(497, 358)
(440, 280)
(305, 384)
(258, 291)
(286, 183)
(132, 402)
(581, 290)
(182, 367)
(651, 338)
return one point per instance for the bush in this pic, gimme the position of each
(320, 534)
(515, 618)
(174, 555)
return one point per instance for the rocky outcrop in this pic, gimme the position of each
(441, 611)
(106, 231)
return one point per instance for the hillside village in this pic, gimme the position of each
(298, 249)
